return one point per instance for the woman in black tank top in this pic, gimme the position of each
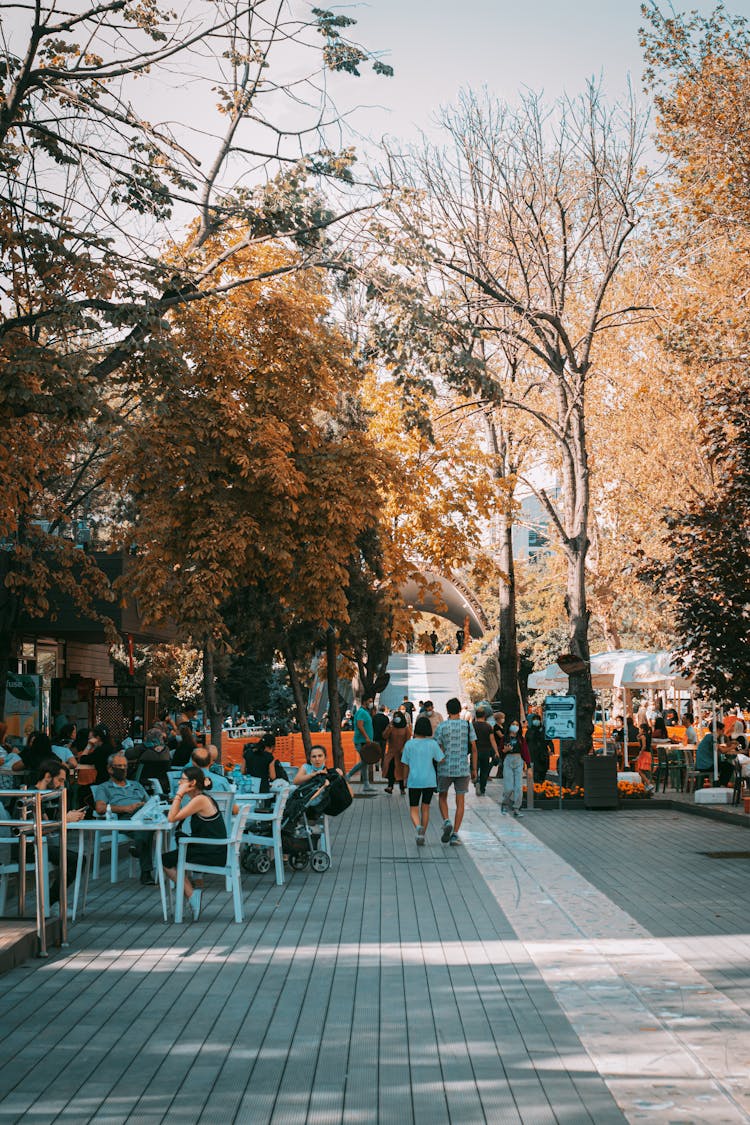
(206, 822)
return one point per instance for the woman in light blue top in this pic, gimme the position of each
(317, 764)
(419, 757)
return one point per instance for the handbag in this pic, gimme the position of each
(370, 752)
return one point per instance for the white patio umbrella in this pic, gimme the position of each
(650, 669)
(605, 669)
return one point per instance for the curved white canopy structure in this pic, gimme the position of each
(459, 602)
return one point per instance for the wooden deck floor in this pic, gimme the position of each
(390, 990)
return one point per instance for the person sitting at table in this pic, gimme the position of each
(182, 744)
(8, 756)
(658, 726)
(704, 759)
(124, 798)
(618, 734)
(704, 753)
(317, 764)
(671, 717)
(644, 762)
(215, 768)
(258, 761)
(53, 775)
(62, 747)
(38, 749)
(691, 734)
(206, 821)
(97, 752)
(155, 758)
(202, 759)
(743, 756)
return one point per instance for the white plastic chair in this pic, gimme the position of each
(273, 817)
(230, 870)
(224, 801)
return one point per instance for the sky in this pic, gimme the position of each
(439, 46)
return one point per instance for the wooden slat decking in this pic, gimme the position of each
(388, 991)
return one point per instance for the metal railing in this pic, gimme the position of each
(35, 827)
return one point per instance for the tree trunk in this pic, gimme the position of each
(507, 649)
(334, 708)
(209, 695)
(580, 682)
(507, 654)
(10, 612)
(299, 698)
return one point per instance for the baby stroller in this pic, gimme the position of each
(301, 826)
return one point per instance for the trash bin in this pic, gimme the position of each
(600, 782)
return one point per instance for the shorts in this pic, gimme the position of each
(460, 784)
(424, 795)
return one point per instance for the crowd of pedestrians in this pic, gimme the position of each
(422, 753)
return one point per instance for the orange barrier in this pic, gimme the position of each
(290, 748)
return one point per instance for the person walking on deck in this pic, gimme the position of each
(363, 732)
(516, 756)
(457, 739)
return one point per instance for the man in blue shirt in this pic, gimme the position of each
(201, 758)
(704, 753)
(124, 798)
(363, 734)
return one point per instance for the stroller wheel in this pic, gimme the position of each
(248, 860)
(263, 863)
(320, 861)
(298, 861)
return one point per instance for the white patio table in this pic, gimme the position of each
(86, 829)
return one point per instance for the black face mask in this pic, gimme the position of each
(119, 773)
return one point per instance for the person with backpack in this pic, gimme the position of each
(487, 748)
(458, 741)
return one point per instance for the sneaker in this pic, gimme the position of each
(455, 840)
(503, 809)
(420, 837)
(447, 831)
(147, 879)
(517, 814)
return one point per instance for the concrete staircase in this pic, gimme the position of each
(422, 676)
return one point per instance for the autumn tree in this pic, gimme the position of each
(238, 472)
(95, 196)
(530, 214)
(699, 69)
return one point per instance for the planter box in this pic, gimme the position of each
(600, 782)
(713, 796)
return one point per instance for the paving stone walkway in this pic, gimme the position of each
(489, 983)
